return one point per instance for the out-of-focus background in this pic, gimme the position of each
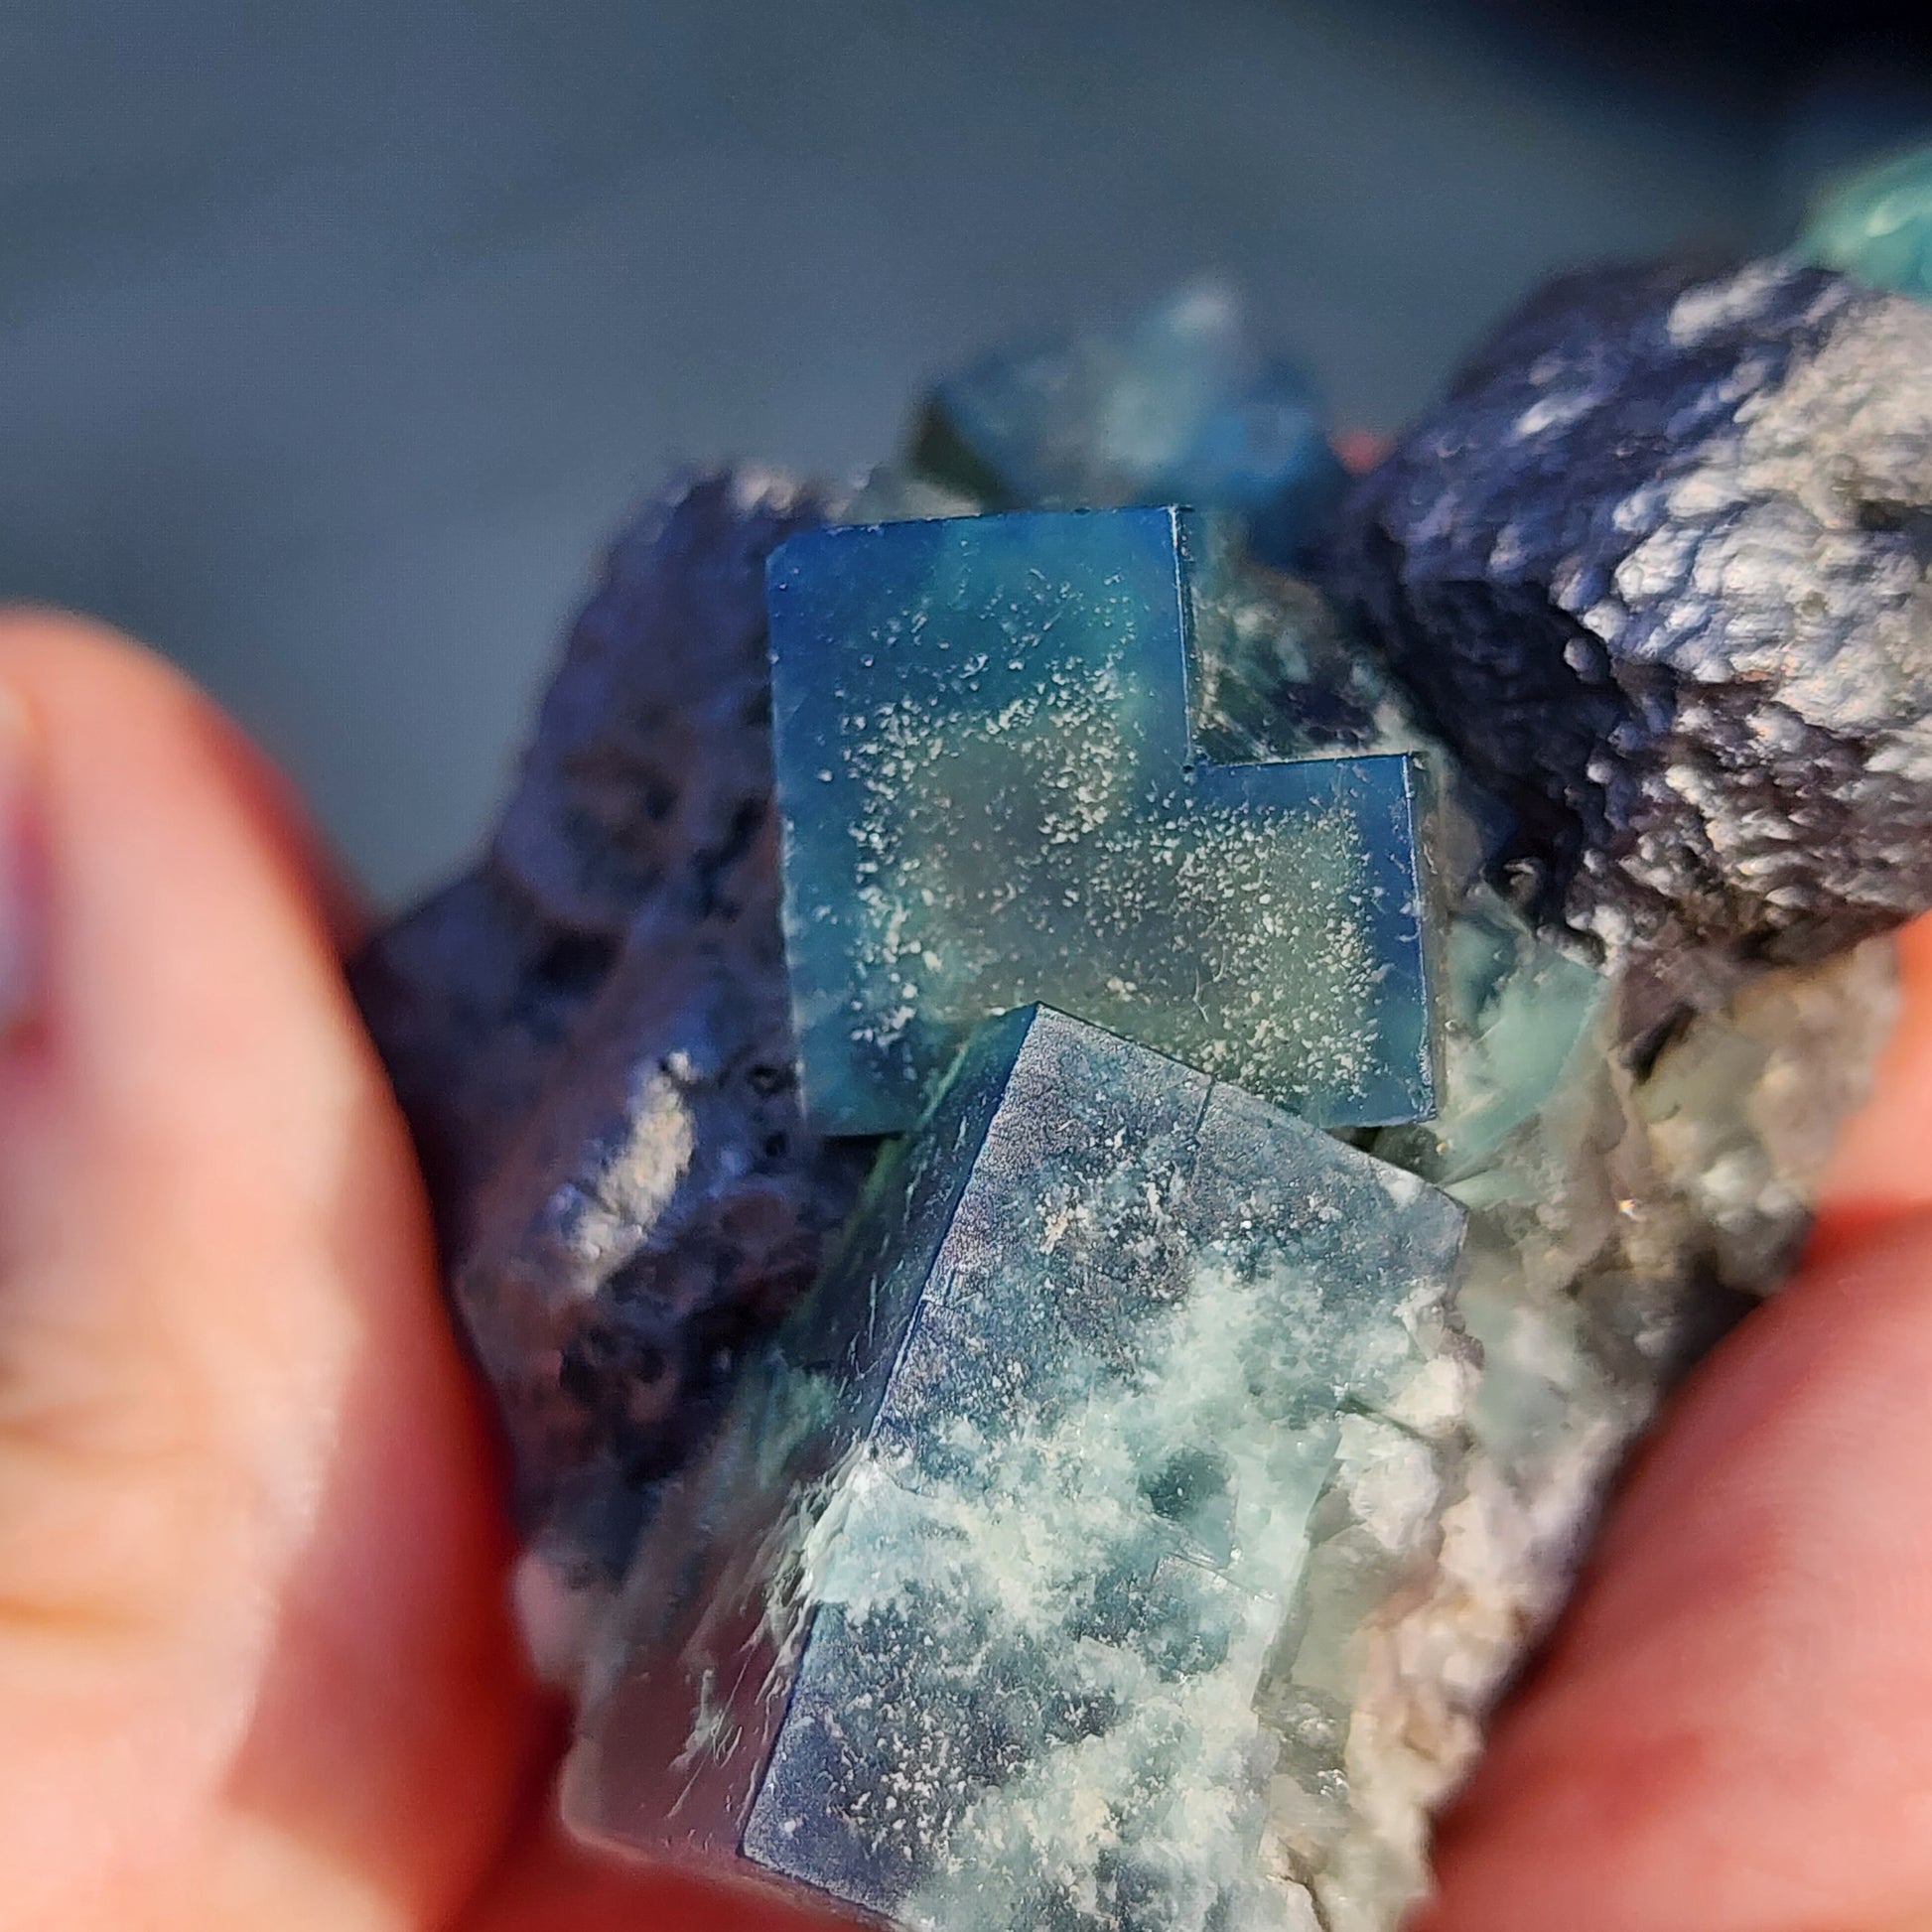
(335, 339)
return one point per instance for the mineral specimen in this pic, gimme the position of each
(1877, 224)
(1657, 575)
(1178, 407)
(990, 795)
(989, 1606)
(1604, 1254)
(1657, 570)
(589, 1035)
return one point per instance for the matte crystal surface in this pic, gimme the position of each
(991, 794)
(1656, 568)
(1178, 407)
(988, 1608)
(1875, 225)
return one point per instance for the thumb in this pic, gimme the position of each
(252, 1669)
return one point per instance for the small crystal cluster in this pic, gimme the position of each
(992, 794)
(1181, 406)
(1134, 1524)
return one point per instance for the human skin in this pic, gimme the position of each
(255, 1664)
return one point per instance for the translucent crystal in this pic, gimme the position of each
(991, 794)
(987, 1608)
(1877, 224)
(1178, 407)
(1274, 675)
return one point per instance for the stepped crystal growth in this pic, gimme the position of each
(990, 795)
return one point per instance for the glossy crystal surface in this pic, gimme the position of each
(992, 794)
(1875, 225)
(1179, 406)
(988, 1607)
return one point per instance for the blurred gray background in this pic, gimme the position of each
(335, 339)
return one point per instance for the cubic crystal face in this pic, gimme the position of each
(965, 1617)
(990, 795)
(1178, 407)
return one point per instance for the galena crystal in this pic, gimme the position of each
(1875, 225)
(1656, 569)
(989, 1606)
(1177, 407)
(590, 1036)
(992, 794)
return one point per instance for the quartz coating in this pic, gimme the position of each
(1657, 571)
(988, 1606)
(990, 795)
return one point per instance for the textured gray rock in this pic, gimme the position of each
(1657, 568)
(590, 1035)
(1742, 1105)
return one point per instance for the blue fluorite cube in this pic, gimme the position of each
(991, 794)
(983, 1610)
(1179, 406)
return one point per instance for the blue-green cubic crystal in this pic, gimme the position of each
(990, 795)
(971, 1615)
(1179, 406)
(1876, 225)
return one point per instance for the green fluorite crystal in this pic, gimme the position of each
(1179, 406)
(1877, 224)
(992, 794)
(991, 1606)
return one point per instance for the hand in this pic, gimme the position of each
(255, 1667)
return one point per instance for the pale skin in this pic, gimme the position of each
(255, 1664)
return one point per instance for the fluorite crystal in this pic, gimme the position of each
(1648, 598)
(989, 1606)
(1875, 225)
(1178, 407)
(992, 794)
(1656, 569)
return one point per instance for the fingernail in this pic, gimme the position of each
(20, 909)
